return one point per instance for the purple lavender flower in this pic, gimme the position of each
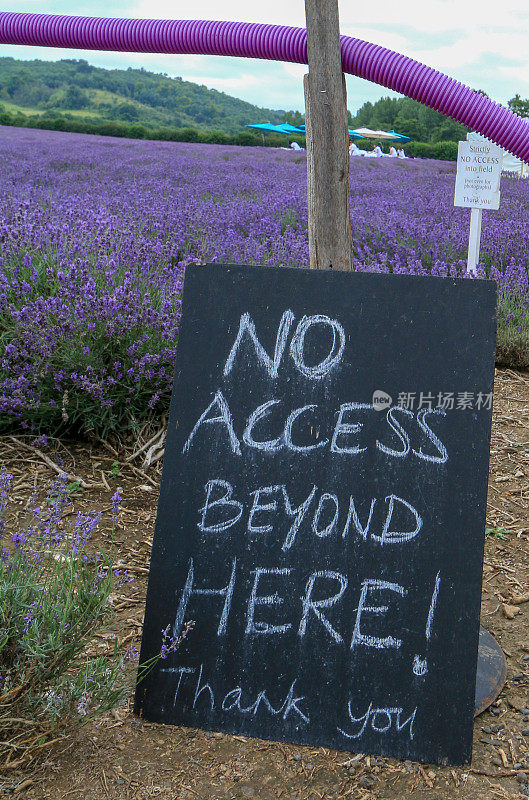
(41, 441)
(115, 500)
(168, 643)
(131, 654)
(93, 257)
(29, 617)
(83, 705)
(171, 641)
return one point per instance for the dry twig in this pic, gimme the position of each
(52, 465)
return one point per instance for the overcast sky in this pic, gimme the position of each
(482, 43)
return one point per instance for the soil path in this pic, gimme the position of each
(121, 758)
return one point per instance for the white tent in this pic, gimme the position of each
(368, 133)
(513, 164)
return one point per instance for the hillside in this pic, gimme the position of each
(72, 95)
(75, 89)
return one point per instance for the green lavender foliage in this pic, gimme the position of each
(54, 600)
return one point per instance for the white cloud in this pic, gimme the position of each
(479, 42)
(469, 49)
(449, 35)
(291, 12)
(435, 16)
(393, 40)
(519, 82)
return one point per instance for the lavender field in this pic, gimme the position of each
(95, 235)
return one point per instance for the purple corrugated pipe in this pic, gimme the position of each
(278, 43)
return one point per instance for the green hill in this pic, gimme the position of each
(73, 89)
(73, 95)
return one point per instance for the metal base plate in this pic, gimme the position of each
(492, 671)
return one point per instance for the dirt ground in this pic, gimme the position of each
(121, 757)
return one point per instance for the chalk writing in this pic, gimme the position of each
(221, 511)
(223, 417)
(269, 600)
(309, 604)
(247, 325)
(369, 640)
(321, 535)
(420, 665)
(189, 590)
(297, 345)
(341, 433)
(381, 720)
(232, 700)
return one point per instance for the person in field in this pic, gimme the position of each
(354, 150)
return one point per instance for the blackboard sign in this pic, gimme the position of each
(322, 510)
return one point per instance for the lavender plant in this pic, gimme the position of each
(513, 329)
(95, 236)
(54, 599)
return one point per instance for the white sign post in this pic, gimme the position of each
(477, 186)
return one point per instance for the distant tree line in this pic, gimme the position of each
(72, 95)
(406, 116)
(136, 130)
(420, 123)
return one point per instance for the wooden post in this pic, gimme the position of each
(330, 245)
(474, 239)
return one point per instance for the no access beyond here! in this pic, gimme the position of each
(328, 549)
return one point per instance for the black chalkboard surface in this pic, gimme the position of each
(322, 510)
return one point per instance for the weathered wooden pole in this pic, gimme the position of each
(326, 128)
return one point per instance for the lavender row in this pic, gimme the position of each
(95, 235)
